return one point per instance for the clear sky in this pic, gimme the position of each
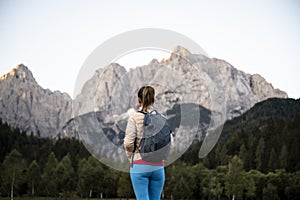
(53, 37)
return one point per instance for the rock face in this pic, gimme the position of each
(182, 78)
(27, 106)
(100, 91)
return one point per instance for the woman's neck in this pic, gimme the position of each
(149, 108)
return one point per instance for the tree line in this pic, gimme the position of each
(257, 157)
(66, 169)
(92, 179)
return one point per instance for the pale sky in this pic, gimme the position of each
(53, 38)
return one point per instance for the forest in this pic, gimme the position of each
(257, 157)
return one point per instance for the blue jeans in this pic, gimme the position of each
(147, 181)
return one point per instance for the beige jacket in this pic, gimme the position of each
(133, 133)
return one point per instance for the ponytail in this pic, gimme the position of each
(146, 94)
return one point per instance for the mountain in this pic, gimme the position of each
(183, 78)
(29, 107)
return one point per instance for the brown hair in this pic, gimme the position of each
(146, 94)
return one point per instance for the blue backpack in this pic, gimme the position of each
(156, 139)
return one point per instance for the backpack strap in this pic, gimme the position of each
(142, 112)
(154, 111)
(134, 148)
(145, 113)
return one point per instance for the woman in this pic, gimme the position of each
(147, 177)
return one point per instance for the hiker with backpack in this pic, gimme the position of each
(147, 143)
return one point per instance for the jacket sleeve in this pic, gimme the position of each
(130, 136)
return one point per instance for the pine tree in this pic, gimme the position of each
(182, 189)
(259, 182)
(94, 178)
(273, 161)
(33, 176)
(65, 176)
(283, 157)
(292, 190)
(251, 151)
(97, 175)
(270, 192)
(84, 178)
(12, 171)
(124, 186)
(260, 154)
(211, 185)
(235, 179)
(243, 155)
(251, 188)
(49, 179)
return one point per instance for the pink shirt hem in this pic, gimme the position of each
(142, 162)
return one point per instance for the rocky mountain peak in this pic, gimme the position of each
(114, 68)
(181, 51)
(26, 105)
(20, 72)
(260, 86)
(154, 61)
(181, 55)
(101, 89)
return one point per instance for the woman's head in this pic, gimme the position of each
(146, 97)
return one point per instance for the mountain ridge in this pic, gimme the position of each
(26, 105)
(182, 78)
(189, 74)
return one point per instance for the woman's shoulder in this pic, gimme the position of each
(135, 114)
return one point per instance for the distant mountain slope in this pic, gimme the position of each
(267, 137)
(29, 107)
(261, 113)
